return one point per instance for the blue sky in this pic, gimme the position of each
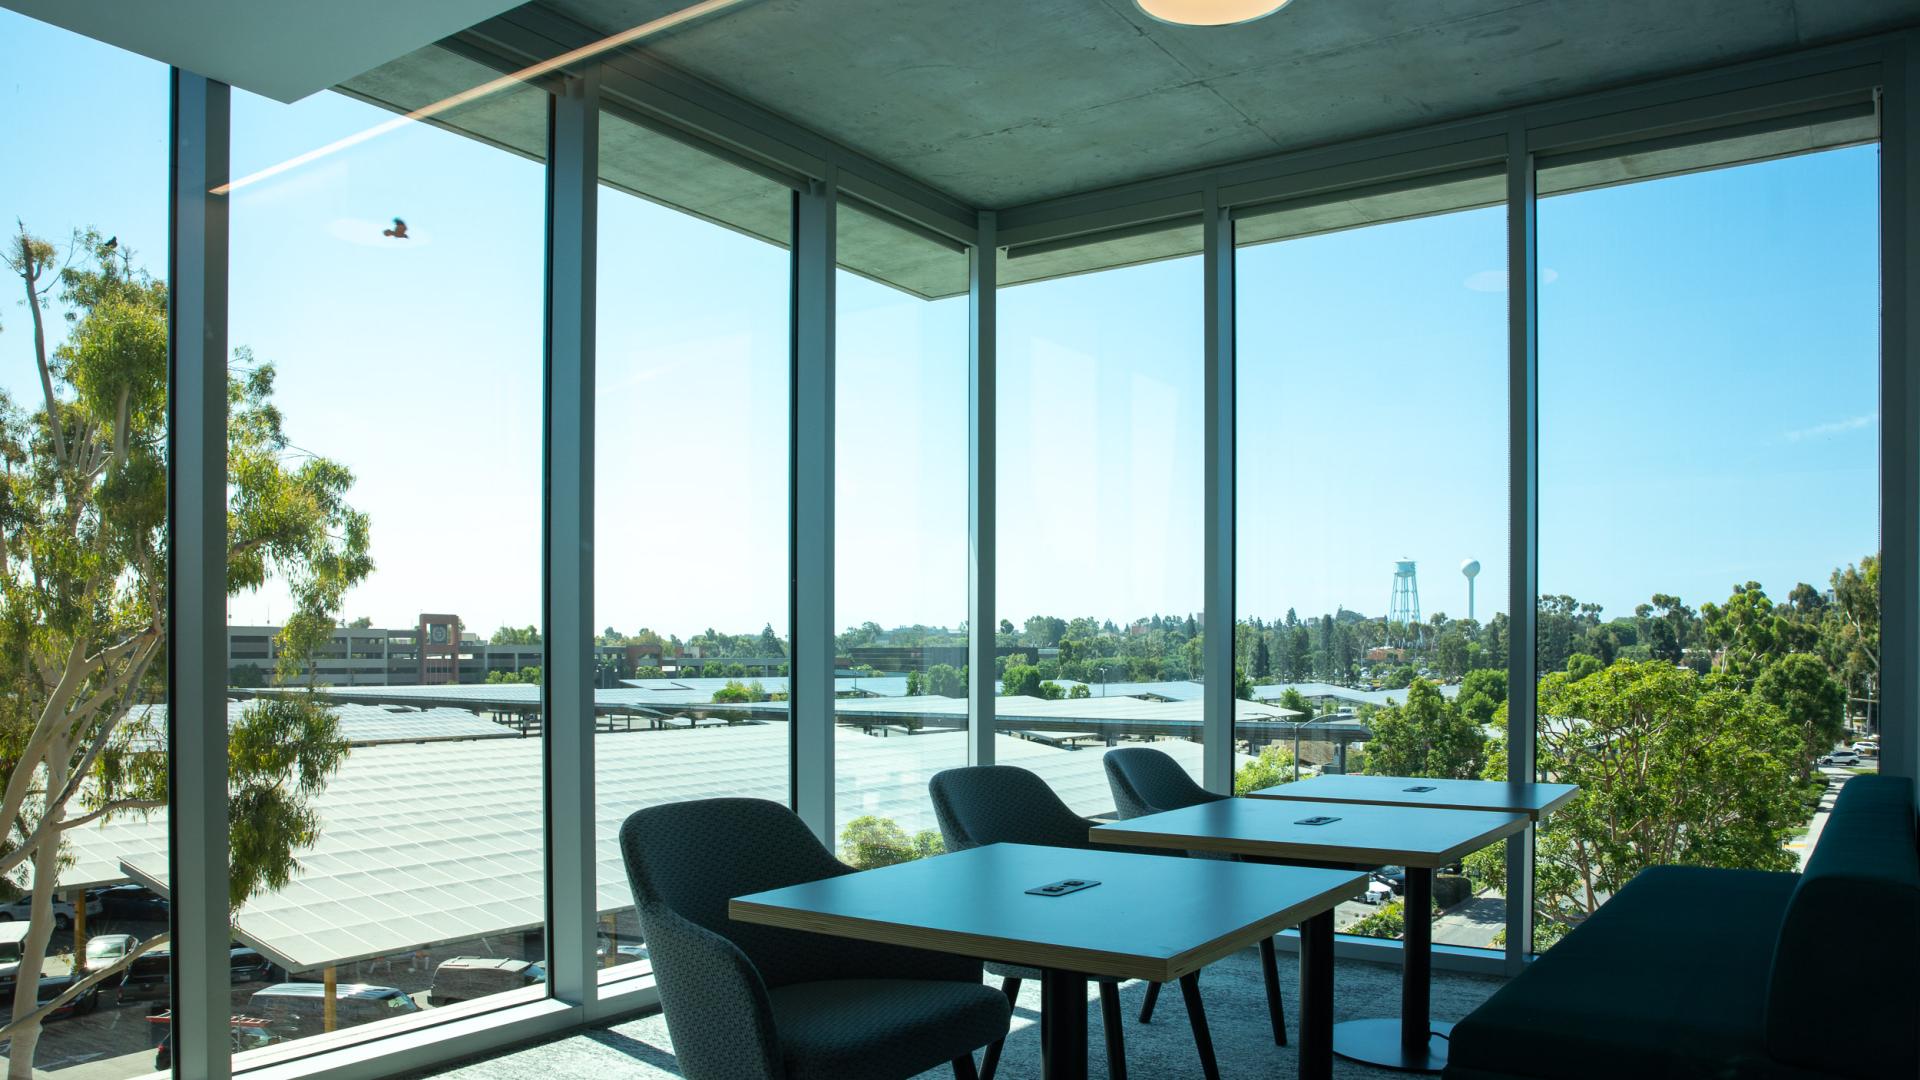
(1708, 390)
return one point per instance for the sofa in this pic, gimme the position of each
(1714, 974)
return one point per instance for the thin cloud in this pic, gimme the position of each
(1837, 427)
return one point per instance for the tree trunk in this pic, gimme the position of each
(33, 955)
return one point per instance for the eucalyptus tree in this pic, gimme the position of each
(83, 595)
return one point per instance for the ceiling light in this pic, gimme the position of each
(1209, 12)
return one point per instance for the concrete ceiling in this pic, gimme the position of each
(284, 49)
(1000, 104)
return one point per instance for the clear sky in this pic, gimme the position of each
(1708, 390)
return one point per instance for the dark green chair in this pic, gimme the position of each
(750, 1002)
(1148, 781)
(1002, 804)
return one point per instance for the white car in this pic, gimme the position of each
(62, 910)
(1378, 892)
(1866, 749)
(1841, 757)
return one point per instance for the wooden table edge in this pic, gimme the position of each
(1347, 854)
(1535, 815)
(1096, 963)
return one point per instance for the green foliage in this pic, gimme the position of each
(1673, 767)
(247, 676)
(1809, 697)
(1242, 686)
(1482, 692)
(528, 674)
(1079, 690)
(1581, 665)
(737, 692)
(1399, 678)
(520, 635)
(945, 680)
(1021, 680)
(871, 841)
(1271, 767)
(1293, 699)
(1427, 735)
(1051, 691)
(915, 686)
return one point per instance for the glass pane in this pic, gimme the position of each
(1709, 512)
(691, 417)
(900, 529)
(1372, 521)
(387, 305)
(84, 201)
(1101, 423)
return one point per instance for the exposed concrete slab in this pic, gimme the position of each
(1006, 103)
(1001, 104)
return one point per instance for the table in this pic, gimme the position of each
(1150, 917)
(1357, 834)
(1534, 800)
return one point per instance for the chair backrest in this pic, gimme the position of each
(1148, 781)
(1842, 996)
(1002, 804)
(685, 861)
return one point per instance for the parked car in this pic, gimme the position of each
(131, 903)
(62, 910)
(1841, 757)
(150, 978)
(54, 985)
(464, 978)
(1393, 877)
(12, 935)
(1378, 892)
(107, 950)
(298, 1009)
(1866, 749)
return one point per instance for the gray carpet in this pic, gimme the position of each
(1236, 1010)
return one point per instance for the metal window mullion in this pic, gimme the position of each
(1899, 708)
(1523, 521)
(197, 600)
(811, 503)
(1216, 725)
(982, 486)
(572, 193)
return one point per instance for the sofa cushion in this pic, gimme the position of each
(1842, 994)
(1666, 981)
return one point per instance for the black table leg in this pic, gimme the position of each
(1063, 1011)
(1416, 959)
(1414, 1043)
(1316, 997)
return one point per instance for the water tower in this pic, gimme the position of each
(1471, 568)
(1405, 605)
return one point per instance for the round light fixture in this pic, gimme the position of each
(1209, 12)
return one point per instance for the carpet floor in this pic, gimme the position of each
(1236, 1011)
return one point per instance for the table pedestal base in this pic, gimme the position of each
(1378, 1042)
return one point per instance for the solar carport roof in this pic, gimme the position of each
(430, 843)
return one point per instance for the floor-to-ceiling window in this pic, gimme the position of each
(1372, 509)
(1100, 503)
(386, 418)
(690, 491)
(1709, 411)
(900, 530)
(83, 616)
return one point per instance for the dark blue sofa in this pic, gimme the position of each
(1709, 974)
